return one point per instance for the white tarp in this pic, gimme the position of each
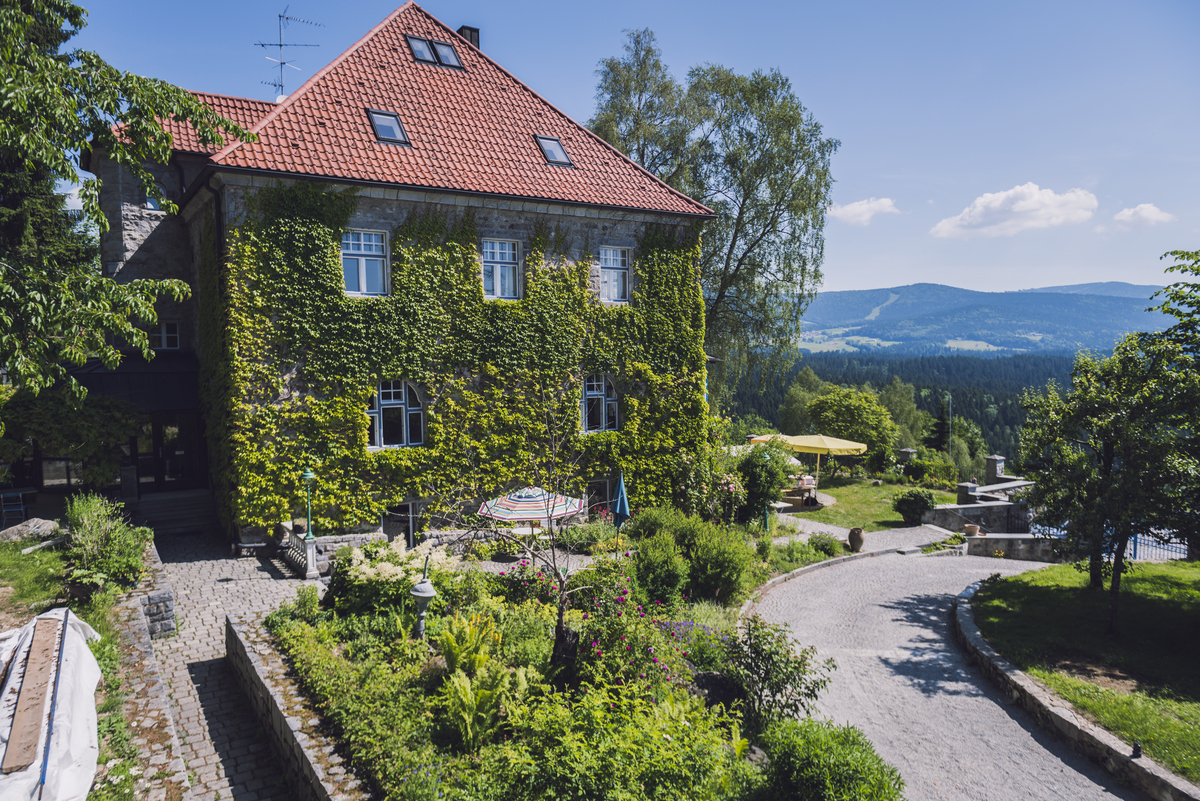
(71, 762)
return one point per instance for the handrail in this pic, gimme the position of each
(968, 520)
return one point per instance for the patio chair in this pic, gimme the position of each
(14, 509)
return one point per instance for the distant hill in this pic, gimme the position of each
(933, 318)
(1116, 289)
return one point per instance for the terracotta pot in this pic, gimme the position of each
(971, 530)
(856, 539)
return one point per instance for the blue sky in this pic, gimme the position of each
(988, 146)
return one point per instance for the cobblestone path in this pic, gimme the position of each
(226, 752)
(906, 684)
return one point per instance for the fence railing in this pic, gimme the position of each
(1144, 548)
(300, 554)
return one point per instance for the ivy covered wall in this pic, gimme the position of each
(289, 361)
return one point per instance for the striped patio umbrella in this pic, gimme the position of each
(531, 503)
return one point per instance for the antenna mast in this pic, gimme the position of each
(284, 19)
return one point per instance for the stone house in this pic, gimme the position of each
(418, 127)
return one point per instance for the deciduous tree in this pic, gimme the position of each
(1111, 455)
(55, 105)
(858, 416)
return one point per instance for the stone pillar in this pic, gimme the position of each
(994, 469)
(966, 493)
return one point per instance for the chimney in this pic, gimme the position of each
(470, 34)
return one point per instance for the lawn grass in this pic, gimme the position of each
(862, 505)
(1142, 684)
(36, 578)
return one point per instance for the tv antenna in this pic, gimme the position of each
(284, 19)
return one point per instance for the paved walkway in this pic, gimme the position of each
(226, 752)
(903, 681)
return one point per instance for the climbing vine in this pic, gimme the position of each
(290, 362)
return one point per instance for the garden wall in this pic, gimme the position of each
(1025, 547)
(313, 771)
(1058, 717)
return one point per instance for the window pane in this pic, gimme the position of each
(374, 270)
(372, 431)
(393, 425)
(421, 49)
(595, 384)
(156, 338)
(350, 274)
(446, 54)
(554, 151)
(622, 279)
(414, 400)
(387, 126)
(489, 283)
(595, 414)
(508, 281)
(611, 422)
(416, 428)
(391, 391)
(170, 335)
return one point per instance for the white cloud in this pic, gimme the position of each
(1018, 209)
(73, 201)
(860, 212)
(1145, 214)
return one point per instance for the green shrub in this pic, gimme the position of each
(721, 563)
(378, 577)
(583, 538)
(780, 680)
(912, 504)
(818, 761)
(648, 522)
(825, 544)
(102, 547)
(660, 570)
(764, 470)
(762, 547)
(941, 475)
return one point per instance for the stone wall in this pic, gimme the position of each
(992, 515)
(313, 770)
(155, 596)
(1024, 547)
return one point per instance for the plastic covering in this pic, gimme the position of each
(71, 760)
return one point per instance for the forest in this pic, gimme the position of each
(986, 391)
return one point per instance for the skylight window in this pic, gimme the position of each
(432, 51)
(387, 127)
(553, 150)
(447, 56)
(421, 50)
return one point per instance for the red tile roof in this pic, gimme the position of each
(243, 111)
(471, 130)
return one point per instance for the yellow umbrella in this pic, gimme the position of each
(813, 443)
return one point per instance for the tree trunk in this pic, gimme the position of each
(1096, 565)
(1115, 589)
(566, 649)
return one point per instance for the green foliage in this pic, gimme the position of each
(59, 105)
(103, 547)
(661, 570)
(764, 470)
(794, 418)
(89, 430)
(780, 678)
(912, 504)
(1116, 455)
(932, 473)
(746, 425)
(860, 417)
(826, 544)
(291, 362)
(467, 642)
(1181, 300)
(814, 760)
(721, 564)
(475, 704)
(379, 576)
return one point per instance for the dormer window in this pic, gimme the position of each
(431, 51)
(553, 150)
(387, 127)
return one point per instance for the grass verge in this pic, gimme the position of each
(1142, 684)
(863, 505)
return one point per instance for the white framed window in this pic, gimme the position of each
(501, 274)
(164, 336)
(599, 408)
(614, 274)
(397, 416)
(364, 262)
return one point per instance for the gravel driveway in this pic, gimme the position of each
(903, 681)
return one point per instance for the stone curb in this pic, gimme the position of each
(800, 571)
(313, 771)
(135, 630)
(1059, 718)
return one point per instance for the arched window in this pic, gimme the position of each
(599, 410)
(397, 415)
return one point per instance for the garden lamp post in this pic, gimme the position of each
(307, 477)
(423, 592)
(766, 503)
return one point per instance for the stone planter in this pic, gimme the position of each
(971, 530)
(856, 540)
